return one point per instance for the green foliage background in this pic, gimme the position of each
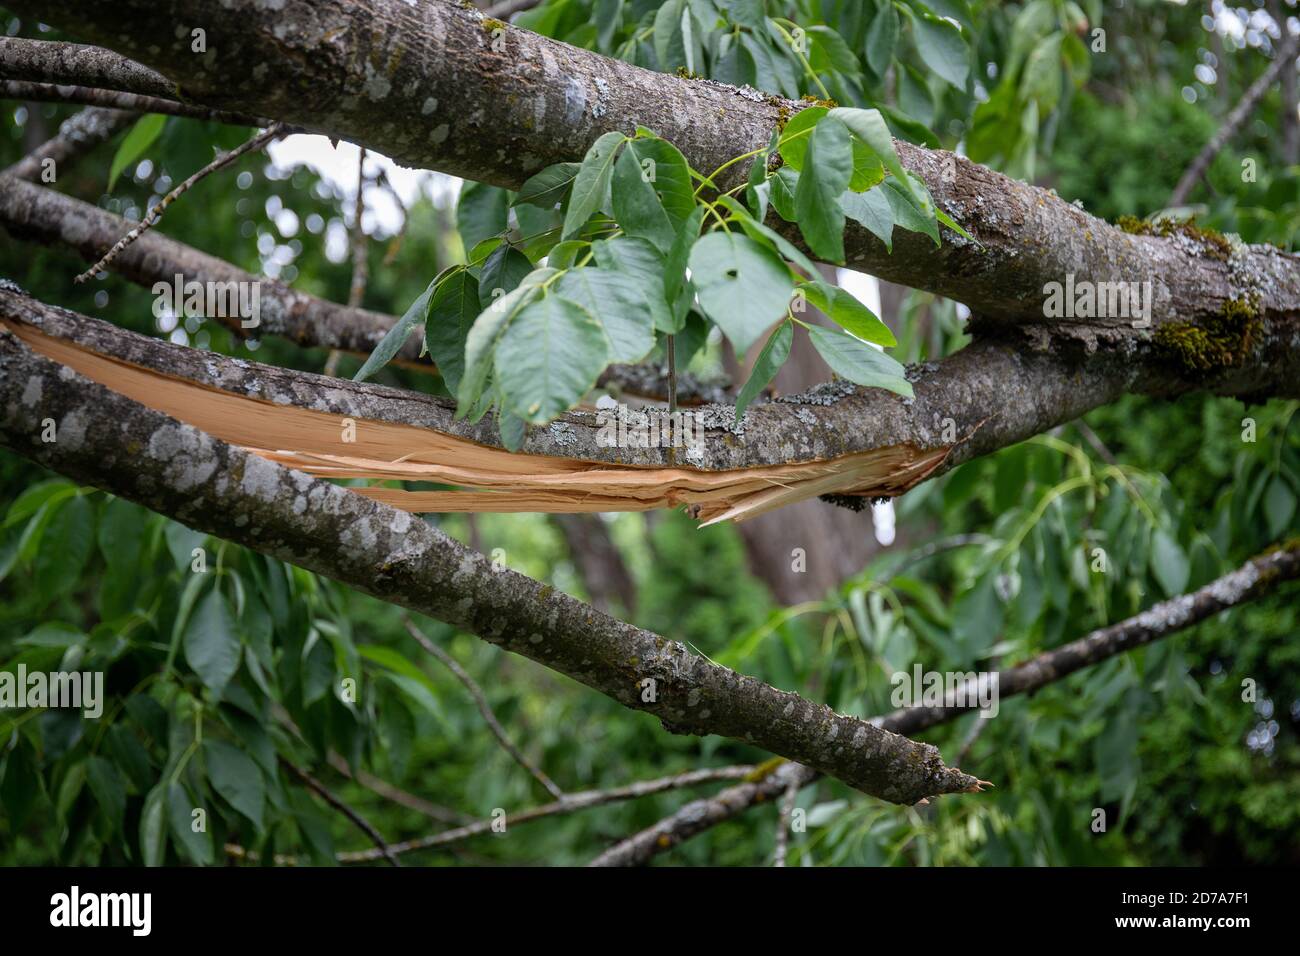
(1161, 739)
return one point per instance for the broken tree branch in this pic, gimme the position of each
(112, 442)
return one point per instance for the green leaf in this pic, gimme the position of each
(19, 787)
(848, 313)
(873, 211)
(903, 205)
(784, 183)
(942, 48)
(481, 212)
(859, 362)
(452, 311)
(236, 778)
(651, 191)
(153, 826)
(480, 343)
(591, 182)
(109, 790)
(869, 126)
(140, 138)
(619, 302)
(881, 38)
(674, 272)
(504, 269)
(827, 171)
(832, 47)
(769, 362)
(797, 135)
(180, 808)
(547, 189)
(548, 358)
(1169, 563)
(36, 497)
(396, 337)
(742, 286)
(211, 642)
(1279, 506)
(65, 547)
(640, 259)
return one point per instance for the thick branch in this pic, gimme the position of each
(107, 440)
(72, 64)
(1255, 579)
(432, 85)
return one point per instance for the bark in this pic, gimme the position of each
(988, 395)
(435, 86)
(1257, 578)
(120, 446)
(45, 61)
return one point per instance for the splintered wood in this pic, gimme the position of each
(501, 481)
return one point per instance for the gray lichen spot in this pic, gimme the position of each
(535, 638)
(377, 86)
(401, 522)
(186, 456)
(602, 91)
(439, 134)
(32, 392)
(261, 478)
(429, 106)
(72, 430)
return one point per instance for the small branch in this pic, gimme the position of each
(483, 708)
(334, 801)
(112, 99)
(571, 803)
(1286, 54)
(225, 159)
(77, 134)
(397, 795)
(52, 61)
(1254, 579)
(783, 823)
(508, 8)
(357, 290)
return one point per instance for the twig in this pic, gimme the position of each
(334, 801)
(257, 142)
(571, 803)
(508, 8)
(357, 290)
(1286, 54)
(783, 823)
(397, 795)
(490, 718)
(112, 99)
(77, 134)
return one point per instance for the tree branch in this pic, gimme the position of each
(357, 820)
(108, 440)
(1236, 118)
(77, 134)
(72, 64)
(484, 709)
(112, 99)
(430, 85)
(1256, 578)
